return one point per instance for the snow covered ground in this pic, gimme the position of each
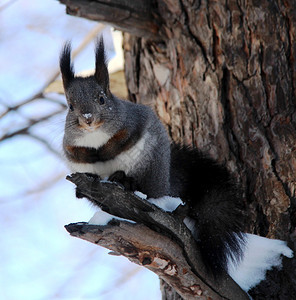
(39, 260)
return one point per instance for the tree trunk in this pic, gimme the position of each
(224, 80)
(222, 75)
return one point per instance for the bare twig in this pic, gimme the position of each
(31, 122)
(21, 104)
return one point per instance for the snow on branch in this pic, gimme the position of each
(158, 240)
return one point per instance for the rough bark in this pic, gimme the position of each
(168, 250)
(224, 80)
(146, 248)
(222, 76)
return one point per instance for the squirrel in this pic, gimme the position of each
(127, 143)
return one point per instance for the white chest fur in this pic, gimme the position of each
(125, 161)
(93, 139)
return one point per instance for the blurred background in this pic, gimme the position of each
(39, 259)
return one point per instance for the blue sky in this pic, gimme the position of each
(39, 260)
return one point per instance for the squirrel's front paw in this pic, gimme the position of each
(127, 182)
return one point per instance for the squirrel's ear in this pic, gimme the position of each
(101, 73)
(66, 66)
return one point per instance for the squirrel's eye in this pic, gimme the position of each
(71, 107)
(101, 100)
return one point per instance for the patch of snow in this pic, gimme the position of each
(140, 195)
(87, 116)
(190, 224)
(105, 180)
(261, 254)
(167, 203)
(102, 218)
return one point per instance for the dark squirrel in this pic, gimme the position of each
(126, 142)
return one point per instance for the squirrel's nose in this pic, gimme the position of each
(88, 118)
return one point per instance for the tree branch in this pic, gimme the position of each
(160, 241)
(135, 17)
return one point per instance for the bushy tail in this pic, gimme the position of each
(216, 212)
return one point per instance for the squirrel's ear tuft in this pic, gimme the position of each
(101, 73)
(66, 66)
